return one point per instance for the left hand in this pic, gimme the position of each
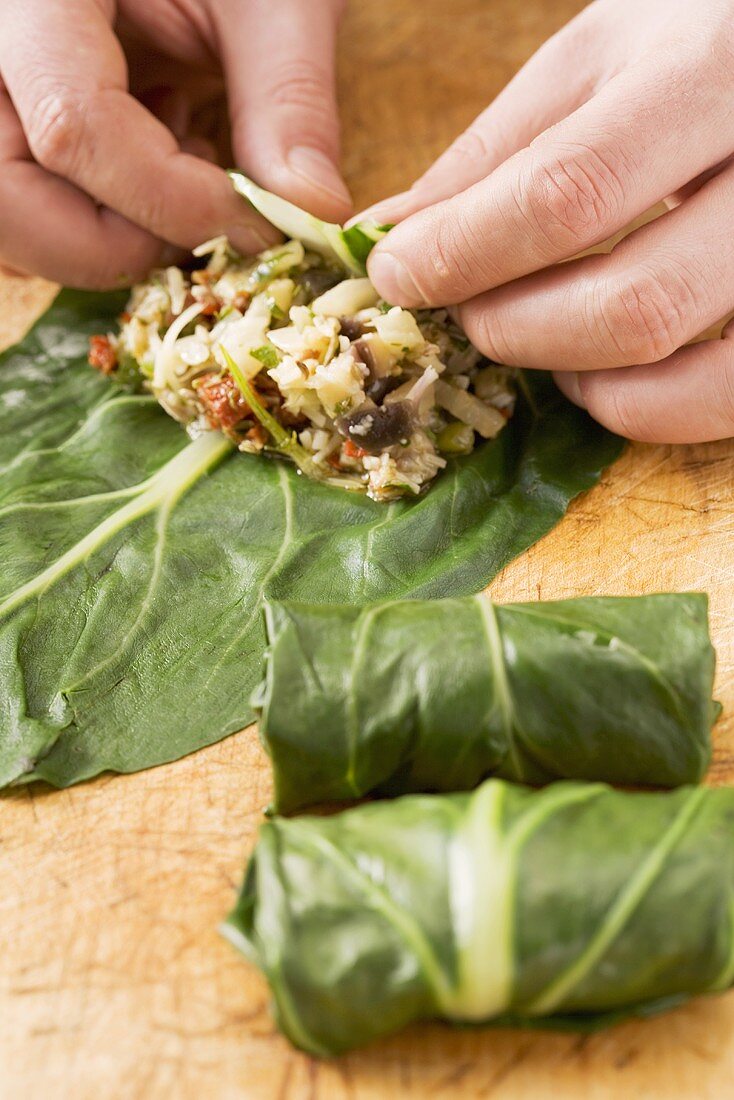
(115, 116)
(628, 105)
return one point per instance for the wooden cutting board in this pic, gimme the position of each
(113, 980)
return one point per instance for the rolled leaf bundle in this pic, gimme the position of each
(570, 905)
(437, 695)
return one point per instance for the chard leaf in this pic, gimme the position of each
(347, 247)
(134, 561)
(370, 700)
(541, 908)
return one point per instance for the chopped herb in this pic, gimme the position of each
(267, 355)
(283, 441)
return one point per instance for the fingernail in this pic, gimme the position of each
(314, 166)
(569, 385)
(12, 272)
(385, 212)
(393, 280)
(247, 240)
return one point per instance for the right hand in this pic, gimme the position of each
(629, 105)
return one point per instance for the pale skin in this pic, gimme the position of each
(628, 105)
(107, 111)
(105, 164)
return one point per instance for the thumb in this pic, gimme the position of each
(279, 66)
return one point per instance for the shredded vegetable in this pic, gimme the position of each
(288, 357)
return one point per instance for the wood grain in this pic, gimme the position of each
(113, 981)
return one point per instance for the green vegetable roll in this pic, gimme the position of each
(437, 695)
(573, 905)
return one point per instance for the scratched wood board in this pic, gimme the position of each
(113, 980)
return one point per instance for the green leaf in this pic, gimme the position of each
(134, 561)
(361, 238)
(572, 907)
(371, 700)
(347, 247)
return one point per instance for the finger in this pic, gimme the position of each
(661, 286)
(576, 185)
(12, 272)
(200, 147)
(696, 184)
(49, 228)
(69, 90)
(283, 109)
(557, 79)
(686, 398)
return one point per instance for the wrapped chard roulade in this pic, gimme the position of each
(437, 695)
(572, 904)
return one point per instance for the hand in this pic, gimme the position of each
(107, 112)
(631, 103)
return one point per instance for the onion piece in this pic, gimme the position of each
(177, 289)
(164, 360)
(469, 409)
(346, 298)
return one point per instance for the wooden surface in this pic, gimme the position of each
(114, 982)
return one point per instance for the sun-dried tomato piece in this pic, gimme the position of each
(102, 355)
(207, 303)
(223, 403)
(351, 450)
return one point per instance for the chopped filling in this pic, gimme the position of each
(223, 404)
(102, 354)
(284, 355)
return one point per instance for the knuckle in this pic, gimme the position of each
(471, 147)
(574, 195)
(706, 45)
(55, 131)
(644, 318)
(298, 84)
